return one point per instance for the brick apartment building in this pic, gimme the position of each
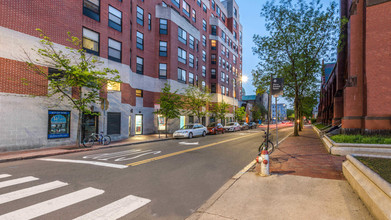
(357, 94)
(150, 43)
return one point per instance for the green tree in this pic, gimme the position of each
(196, 100)
(300, 35)
(219, 110)
(239, 114)
(77, 70)
(170, 104)
(256, 113)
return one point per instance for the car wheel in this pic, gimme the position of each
(190, 135)
(223, 132)
(203, 134)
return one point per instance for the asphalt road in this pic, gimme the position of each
(161, 180)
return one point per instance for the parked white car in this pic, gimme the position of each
(232, 126)
(191, 130)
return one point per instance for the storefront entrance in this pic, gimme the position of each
(139, 124)
(90, 124)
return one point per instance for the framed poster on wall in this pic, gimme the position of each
(59, 124)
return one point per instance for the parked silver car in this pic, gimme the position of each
(191, 130)
(232, 126)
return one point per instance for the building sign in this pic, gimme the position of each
(162, 123)
(277, 86)
(59, 124)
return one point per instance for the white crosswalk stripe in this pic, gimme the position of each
(17, 181)
(51, 205)
(4, 175)
(11, 196)
(116, 209)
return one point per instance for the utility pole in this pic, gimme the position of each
(268, 113)
(276, 123)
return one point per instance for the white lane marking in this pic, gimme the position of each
(4, 175)
(186, 143)
(11, 196)
(131, 158)
(107, 156)
(87, 162)
(116, 209)
(51, 205)
(17, 181)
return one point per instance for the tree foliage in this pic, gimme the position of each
(219, 110)
(196, 100)
(76, 71)
(170, 104)
(300, 35)
(239, 114)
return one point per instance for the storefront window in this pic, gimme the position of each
(59, 124)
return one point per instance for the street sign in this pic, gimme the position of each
(277, 86)
(157, 107)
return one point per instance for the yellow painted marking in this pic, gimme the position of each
(184, 151)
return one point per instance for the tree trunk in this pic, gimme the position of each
(296, 131)
(166, 126)
(78, 136)
(300, 120)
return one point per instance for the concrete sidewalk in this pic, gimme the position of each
(306, 183)
(51, 151)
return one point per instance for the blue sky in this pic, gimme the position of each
(252, 24)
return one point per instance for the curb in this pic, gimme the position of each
(80, 150)
(204, 207)
(373, 190)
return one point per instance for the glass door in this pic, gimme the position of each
(139, 124)
(182, 121)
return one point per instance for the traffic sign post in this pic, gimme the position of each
(277, 89)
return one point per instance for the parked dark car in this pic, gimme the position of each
(244, 126)
(215, 128)
(252, 125)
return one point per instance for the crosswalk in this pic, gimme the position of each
(114, 210)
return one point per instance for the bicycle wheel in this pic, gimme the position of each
(106, 140)
(270, 147)
(88, 142)
(260, 148)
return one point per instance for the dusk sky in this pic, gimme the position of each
(252, 24)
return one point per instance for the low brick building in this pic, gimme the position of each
(359, 91)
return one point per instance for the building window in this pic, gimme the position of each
(182, 35)
(191, 42)
(213, 88)
(218, 10)
(140, 16)
(213, 44)
(115, 19)
(203, 40)
(175, 2)
(199, 3)
(227, 91)
(234, 59)
(222, 77)
(59, 124)
(191, 60)
(191, 78)
(163, 70)
(194, 16)
(139, 93)
(163, 4)
(163, 48)
(163, 26)
(204, 24)
(91, 41)
(204, 7)
(214, 30)
(113, 123)
(114, 50)
(213, 4)
(140, 65)
(181, 55)
(213, 59)
(219, 60)
(140, 41)
(223, 90)
(235, 35)
(181, 75)
(235, 12)
(196, 63)
(113, 86)
(235, 24)
(204, 56)
(186, 8)
(91, 9)
(223, 17)
(213, 73)
(203, 71)
(149, 22)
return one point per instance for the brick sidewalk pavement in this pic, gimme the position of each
(305, 155)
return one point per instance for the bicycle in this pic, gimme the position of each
(100, 138)
(270, 145)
